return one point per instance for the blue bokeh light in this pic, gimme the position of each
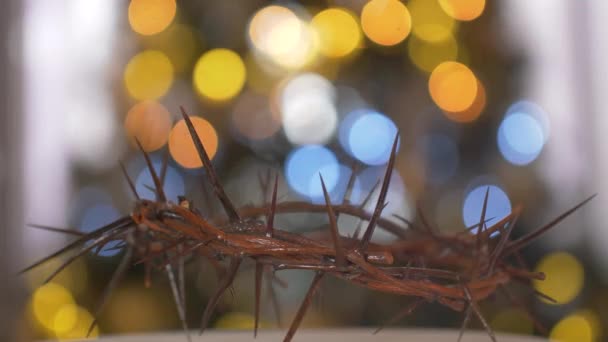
(302, 169)
(173, 187)
(499, 206)
(441, 157)
(534, 110)
(97, 216)
(370, 136)
(520, 138)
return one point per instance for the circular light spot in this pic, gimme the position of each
(65, 319)
(150, 123)
(513, 321)
(173, 187)
(465, 10)
(182, 148)
(219, 74)
(520, 139)
(303, 166)
(386, 22)
(573, 328)
(47, 300)
(235, 321)
(430, 22)
(78, 319)
(371, 138)
(253, 118)
(279, 35)
(338, 31)
(534, 110)
(427, 56)
(148, 75)
(474, 111)
(453, 86)
(564, 277)
(441, 157)
(309, 115)
(498, 206)
(150, 17)
(97, 216)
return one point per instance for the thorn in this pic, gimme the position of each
(273, 208)
(210, 171)
(181, 310)
(160, 193)
(129, 180)
(259, 269)
(406, 311)
(67, 231)
(333, 225)
(304, 306)
(223, 286)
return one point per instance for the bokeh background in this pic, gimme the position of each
(506, 94)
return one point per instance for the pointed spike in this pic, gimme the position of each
(181, 310)
(503, 239)
(381, 198)
(209, 170)
(351, 183)
(129, 180)
(56, 229)
(259, 269)
(405, 312)
(530, 237)
(120, 223)
(273, 208)
(304, 306)
(164, 167)
(116, 277)
(465, 322)
(333, 225)
(223, 286)
(481, 221)
(160, 193)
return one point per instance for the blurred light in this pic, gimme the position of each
(371, 138)
(430, 22)
(148, 75)
(150, 123)
(564, 277)
(474, 111)
(303, 166)
(180, 43)
(386, 22)
(513, 321)
(219, 74)
(520, 138)
(338, 32)
(253, 118)
(594, 322)
(534, 110)
(465, 10)
(235, 321)
(74, 277)
(428, 55)
(453, 86)
(97, 216)
(441, 156)
(47, 300)
(150, 17)
(278, 34)
(182, 148)
(73, 322)
(573, 328)
(173, 187)
(308, 111)
(498, 206)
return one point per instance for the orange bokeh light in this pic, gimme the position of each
(474, 111)
(182, 148)
(465, 10)
(148, 17)
(453, 86)
(386, 22)
(150, 123)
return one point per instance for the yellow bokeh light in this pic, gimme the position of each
(65, 319)
(594, 322)
(180, 43)
(73, 322)
(386, 22)
(182, 148)
(453, 86)
(430, 22)
(47, 300)
(427, 55)
(278, 34)
(474, 111)
(573, 328)
(465, 10)
(219, 74)
(148, 75)
(512, 321)
(150, 17)
(74, 277)
(564, 277)
(150, 123)
(338, 32)
(235, 321)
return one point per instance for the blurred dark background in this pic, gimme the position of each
(506, 94)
